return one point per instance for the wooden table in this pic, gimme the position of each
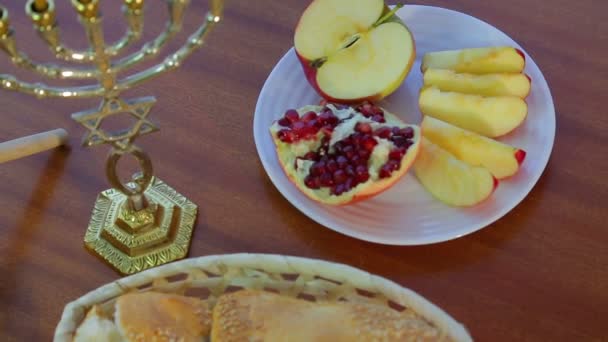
(540, 273)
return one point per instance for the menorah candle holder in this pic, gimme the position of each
(143, 223)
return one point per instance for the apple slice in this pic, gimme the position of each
(353, 51)
(500, 159)
(488, 60)
(487, 85)
(488, 116)
(451, 180)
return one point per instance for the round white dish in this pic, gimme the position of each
(406, 214)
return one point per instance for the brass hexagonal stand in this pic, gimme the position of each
(134, 241)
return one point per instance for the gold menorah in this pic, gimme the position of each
(143, 223)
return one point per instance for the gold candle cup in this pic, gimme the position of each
(42, 16)
(5, 24)
(134, 5)
(86, 8)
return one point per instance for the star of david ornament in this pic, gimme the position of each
(137, 108)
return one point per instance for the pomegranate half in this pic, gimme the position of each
(338, 154)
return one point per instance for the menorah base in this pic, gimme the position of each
(131, 242)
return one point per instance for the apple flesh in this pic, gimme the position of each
(502, 160)
(353, 51)
(487, 60)
(488, 116)
(451, 180)
(486, 85)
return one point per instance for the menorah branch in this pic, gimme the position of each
(47, 28)
(194, 42)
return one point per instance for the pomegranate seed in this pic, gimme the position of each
(309, 116)
(362, 174)
(327, 130)
(349, 152)
(332, 165)
(292, 115)
(312, 182)
(349, 184)
(316, 123)
(394, 165)
(364, 154)
(298, 126)
(338, 189)
(383, 132)
(396, 154)
(284, 122)
(349, 170)
(377, 110)
(396, 130)
(407, 132)
(356, 160)
(399, 141)
(311, 128)
(355, 138)
(286, 136)
(367, 109)
(342, 162)
(338, 147)
(385, 171)
(326, 180)
(369, 143)
(363, 127)
(328, 118)
(378, 118)
(318, 168)
(340, 177)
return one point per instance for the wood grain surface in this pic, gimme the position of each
(539, 273)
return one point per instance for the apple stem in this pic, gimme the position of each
(388, 15)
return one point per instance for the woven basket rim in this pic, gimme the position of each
(272, 263)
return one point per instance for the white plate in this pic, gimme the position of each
(407, 214)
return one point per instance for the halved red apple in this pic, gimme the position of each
(451, 180)
(486, 60)
(343, 154)
(502, 84)
(502, 160)
(489, 116)
(353, 50)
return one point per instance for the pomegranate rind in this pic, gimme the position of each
(362, 191)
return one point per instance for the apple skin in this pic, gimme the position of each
(520, 155)
(310, 73)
